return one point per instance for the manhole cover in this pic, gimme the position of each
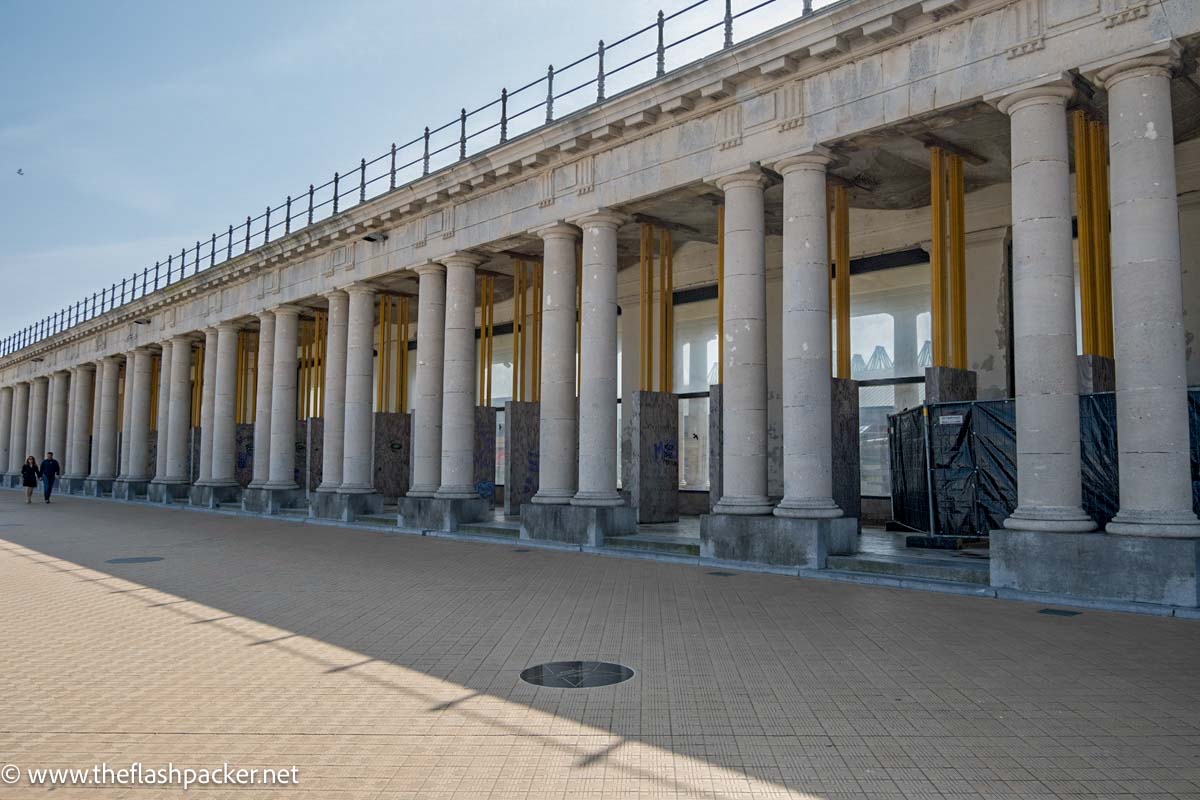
(1059, 612)
(576, 674)
(719, 574)
(134, 560)
(521, 550)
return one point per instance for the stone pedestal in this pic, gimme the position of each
(211, 496)
(393, 457)
(779, 541)
(847, 473)
(168, 492)
(521, 424)
(949, 385)
(96, 487)
(653, 480)
(1098, 566)
(66, 486)
(1096, 374)
(130, 489)
(485, 453)
(438, 514)
(270, 501)
(310, 453)
(580, 525)
(344, 507)
(243, 453)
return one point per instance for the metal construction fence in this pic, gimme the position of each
(956, 463)
(588, 81)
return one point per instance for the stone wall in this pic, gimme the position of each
(392, 446)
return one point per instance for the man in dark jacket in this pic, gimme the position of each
(50, 472)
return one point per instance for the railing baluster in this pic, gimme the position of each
(212, 250)
(287, 219)
(267, 226)
(310, 203)
(335, 192)
(246, 247)
(503, 115)
(549, 94)
(196, 266)
(807, 8)
(729, 23)
(362, 181)
(600, 73)
(392, 178)
(462, 134)
(662, 51)
(122, 291)
(157, 264)
(425, 158)
(170, 258)
(229, 244)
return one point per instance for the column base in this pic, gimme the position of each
(1156, 524)
(344, 507)
(131, 489)
(212, 496)
(744, 506)
(72, 485)
(949, 385)
(557, 497)
(268, 500)
(10, 481)
(168, 492)
(457, 493)
(779, 541)
(575, 524)
(817, 508)
(1050, 520)
(98, 487)
(439, 514)
(1097, 566)
(598, 499)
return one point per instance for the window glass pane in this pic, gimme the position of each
(502, 374)
(889, 323)
(695, 346)
(693, 443)
(500, 450)
(874, 405)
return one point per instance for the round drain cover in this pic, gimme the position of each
(576, 674)
(134, 560)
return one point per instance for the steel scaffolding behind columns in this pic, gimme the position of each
(486, 334)
(578, 317)
(197, 383)
(1092, 215)
(937, 255)
(666, 308)
(958, 263)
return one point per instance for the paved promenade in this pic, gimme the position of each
(387, 666)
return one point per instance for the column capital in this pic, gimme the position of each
(817, 157)
(335, 293)
(462, 258)
(1161, 57)
(429, 268)
(748, 175)
(228, 325)
(358, 287)
(286, 310)
(1054, 88)
(182, 339)
(601, 218)
(557, 230)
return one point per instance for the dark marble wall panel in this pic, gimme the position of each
(309, 436)
(485, 452)
(244, 452)
(392, 446)
(194, 455)
(715, 429)
(654, 463)
(847, 481)
(521, 425)
(152, 455)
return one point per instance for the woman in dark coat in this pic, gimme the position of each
(29, 477)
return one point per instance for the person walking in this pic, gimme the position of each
(29, 477)
(50, 472)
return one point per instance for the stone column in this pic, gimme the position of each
(333, 448)
(359, 419)
(106, 459)
(207, 395)
(97, 407)
(19, 428)
(458, 381)
(598, 365)
(179, 418)
(262, 400)
(138, 367)
(81, 415)
(58, 441)
(64, 455)
(6, 408)
(163, 412)
(431, 350)
(557, 434)
(126, 416)
(60, 387)
(282, 473)
(1048, 483)
(807, 363)
(744, 398)
(1148, 334)
(224, 414)
(35, 441)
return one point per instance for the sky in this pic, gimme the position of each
(130, 129)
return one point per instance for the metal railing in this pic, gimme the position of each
(435, 149)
